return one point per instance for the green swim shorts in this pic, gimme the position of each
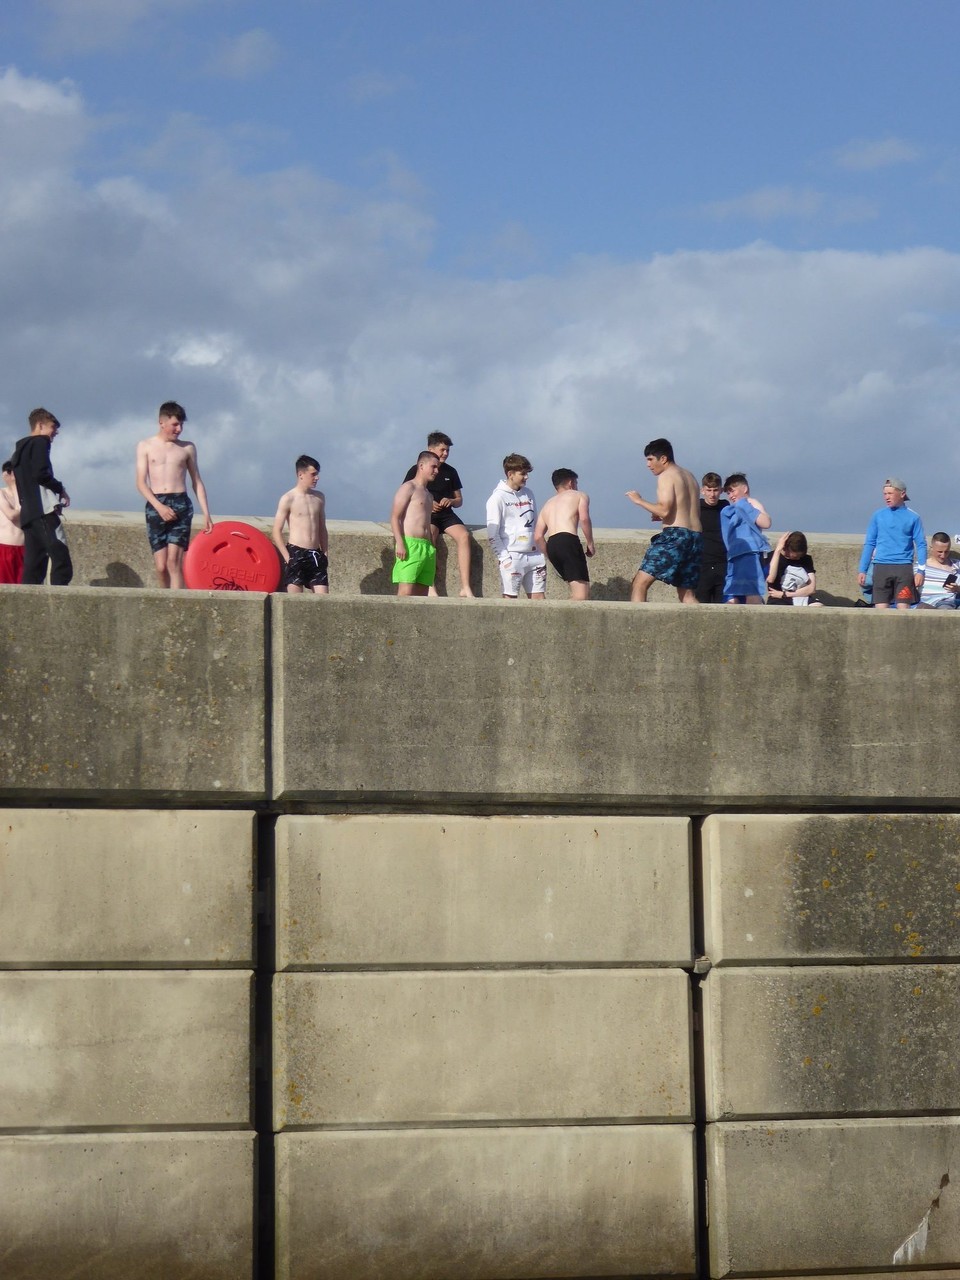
(420, 565)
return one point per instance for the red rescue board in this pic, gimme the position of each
(233, 556)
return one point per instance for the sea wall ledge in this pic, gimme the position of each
(202, 698)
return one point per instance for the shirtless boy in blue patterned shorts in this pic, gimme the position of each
(674, 554)
(163, 463)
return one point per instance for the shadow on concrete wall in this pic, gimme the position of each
(118, 575)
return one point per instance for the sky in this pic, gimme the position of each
(547, 226)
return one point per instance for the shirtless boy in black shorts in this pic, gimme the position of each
(447, 493)
(303, 510)
(555, 532)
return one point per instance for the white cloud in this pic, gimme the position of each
(767, 204)
(246, 56)
(880, 153)
(38, 97)
(374, 86)
(289, 313)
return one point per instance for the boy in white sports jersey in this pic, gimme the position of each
(940, 588)
(511, 518)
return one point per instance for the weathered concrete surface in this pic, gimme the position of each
(486, 1204)
(110, 549)
(171, 1206)
(374, 1048)
(82, 1049)
(97, 887)
(793, 1196)
(442, 889)
(851, 1040)
(146, 695)
(810, 887)
(485, 702)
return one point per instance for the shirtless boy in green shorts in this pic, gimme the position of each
(416, 564)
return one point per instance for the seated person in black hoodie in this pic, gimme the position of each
(42, 497)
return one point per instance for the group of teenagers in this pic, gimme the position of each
(711, 545)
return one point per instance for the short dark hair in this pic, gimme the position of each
(659, 448)
(796, 542)
(516, 462)
(711, 480)
(305, 461)
(937, 537)
(7, 467)
(736, 478)
(38, 417)
(438, 437)
(170, 409)
(562, 475)
(426, 455)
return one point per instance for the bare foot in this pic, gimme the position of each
(433, 592)
(466, 594)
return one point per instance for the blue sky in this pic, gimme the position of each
(562, 228)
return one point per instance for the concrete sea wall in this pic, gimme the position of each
(363, 938)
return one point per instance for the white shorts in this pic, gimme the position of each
(527, 571)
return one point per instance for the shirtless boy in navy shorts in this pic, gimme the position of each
(303, 510)
(674, 554)
(163, 463)
(556, 533)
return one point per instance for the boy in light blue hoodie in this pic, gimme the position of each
(740, 524)
(895, 542)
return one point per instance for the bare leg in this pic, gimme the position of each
(294, 590)
(687, 595)
(434, 538)
(320, 591)
(881, 606)
(175, 566)
(579, 590)
(458, 532)
(642, 582)
(411, 589)
(538, 595)
(160, 565)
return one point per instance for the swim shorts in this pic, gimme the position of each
(305, 568)
(11, 564)
(565, 552)
(674, 557)
(163, 532)
(444, 519)
(420, 566)
(745, 576)
(527, 570)
(893, 584)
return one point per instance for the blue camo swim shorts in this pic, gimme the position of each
(674, 557)
(160, 531)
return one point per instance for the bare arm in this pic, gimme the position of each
(763, 520)
(323, 523)
(199, 488)
(400, 503)
(775, 565)
(586, 524)
(808, 590)
(666, 499)
(447, 504)
(540, 534)
(283, 511)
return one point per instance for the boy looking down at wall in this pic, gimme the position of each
(303, 510)
(556, 532)
(416, 564)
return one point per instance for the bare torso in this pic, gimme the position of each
(416, 518)
(165, 463)
(11, 535)
(305, 519)
(561, 513)
(677, 487)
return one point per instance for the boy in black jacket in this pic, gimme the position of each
(42, 497)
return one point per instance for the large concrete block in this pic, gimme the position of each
(826, 1195)
(809, 887)
(832, 1041)
(158, 1206)
(369, 1048)
(486, 1204)
(82, 1049)
(396, 889)
(494, 703)
(97, 887)
(147, 694)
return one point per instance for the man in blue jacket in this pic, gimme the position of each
(42, 497)
(895, 543)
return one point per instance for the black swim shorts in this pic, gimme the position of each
(565, 552)
(305, 568)
(444, 518)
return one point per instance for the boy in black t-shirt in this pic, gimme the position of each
(447, 492)
(713, 564)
